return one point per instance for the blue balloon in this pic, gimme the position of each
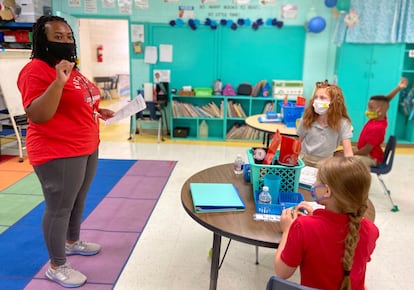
(330, 3)
(316, 24)
(343, 5)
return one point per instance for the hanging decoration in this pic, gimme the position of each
(233, 25)
(316, 24)
(352, 18)
(343, 5)
(330, 3)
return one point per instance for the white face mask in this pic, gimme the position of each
(320, 107)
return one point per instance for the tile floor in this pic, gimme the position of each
(172, 252)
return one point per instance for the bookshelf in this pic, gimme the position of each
(224, 116)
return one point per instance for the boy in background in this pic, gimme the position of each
(373, 133)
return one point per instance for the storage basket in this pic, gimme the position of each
(291, 113)
(289, 174)
(203, 92)
(286, 200)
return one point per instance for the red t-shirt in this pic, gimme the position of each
(316, 244)
(73, 130)
(373, 133)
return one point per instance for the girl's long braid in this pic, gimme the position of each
(349, 180)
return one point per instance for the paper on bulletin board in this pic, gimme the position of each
(150, 54)
(134, 106)
(166, 52)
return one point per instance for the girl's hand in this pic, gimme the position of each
(105, 114)
(287, 217)
(304, 208)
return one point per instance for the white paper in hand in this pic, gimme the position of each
(134, 106)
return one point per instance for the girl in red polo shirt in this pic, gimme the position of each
(331, 246)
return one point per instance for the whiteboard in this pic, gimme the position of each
(9, 71)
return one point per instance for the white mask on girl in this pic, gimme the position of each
(320, 107)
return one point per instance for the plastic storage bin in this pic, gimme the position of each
(286, 200)
(289, 174)
(203, 92)
(291, 113)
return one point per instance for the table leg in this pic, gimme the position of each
(215, 261)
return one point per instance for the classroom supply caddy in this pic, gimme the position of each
(289, 174)
(291, 112)
(288, 195)
(286, 200)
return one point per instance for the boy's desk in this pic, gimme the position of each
(239, 226)
(269, 128)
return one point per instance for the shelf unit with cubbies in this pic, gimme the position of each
(218, 127)
(16, 35)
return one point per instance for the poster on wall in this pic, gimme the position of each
(151, 55)
(74, 3)
(186, 11)
(91, 6)
(108, 3)
(125, 6)
(137, 38)
(166, 53)
(161, 75)
(141, 4)
(289, 11)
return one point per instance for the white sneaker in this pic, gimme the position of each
(66, 276)
(82, 248)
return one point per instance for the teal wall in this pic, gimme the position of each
(319, 50)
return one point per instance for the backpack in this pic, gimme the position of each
(228, 90)
(244, 89)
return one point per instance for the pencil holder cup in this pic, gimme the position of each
(273, 182)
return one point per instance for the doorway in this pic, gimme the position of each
(108, 38)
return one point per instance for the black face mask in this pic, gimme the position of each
(62, 50)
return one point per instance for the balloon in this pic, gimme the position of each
(316, 24)
(330, 3)
(343, 5)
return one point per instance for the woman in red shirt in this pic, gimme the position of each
(62, 141)
(331, 245)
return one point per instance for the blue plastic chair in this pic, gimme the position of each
(386, 166)
(276, 283)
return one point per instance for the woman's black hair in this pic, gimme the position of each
(39, 49)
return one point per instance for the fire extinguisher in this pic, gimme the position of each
(99, 53)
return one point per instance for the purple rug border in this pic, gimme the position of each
(47, 285)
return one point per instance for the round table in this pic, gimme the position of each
(239, 225)
(269, 128)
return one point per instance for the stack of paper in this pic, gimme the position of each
(216, 197)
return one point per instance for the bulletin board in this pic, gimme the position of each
(245, 55)
(194, 54)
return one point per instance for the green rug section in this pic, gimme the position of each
(28, 185)
(18, 200)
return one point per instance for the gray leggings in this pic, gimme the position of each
(65, 183)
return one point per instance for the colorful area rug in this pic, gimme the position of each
(120, 201)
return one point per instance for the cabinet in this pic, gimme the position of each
(365, 70)
(405, 119)
(16, 35)
(220, 124)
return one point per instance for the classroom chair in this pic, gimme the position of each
(276, 283)
(386, 166)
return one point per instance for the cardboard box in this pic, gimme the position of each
(31, 10)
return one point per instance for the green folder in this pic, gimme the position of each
(216, 197)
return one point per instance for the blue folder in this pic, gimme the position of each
(216, 197)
